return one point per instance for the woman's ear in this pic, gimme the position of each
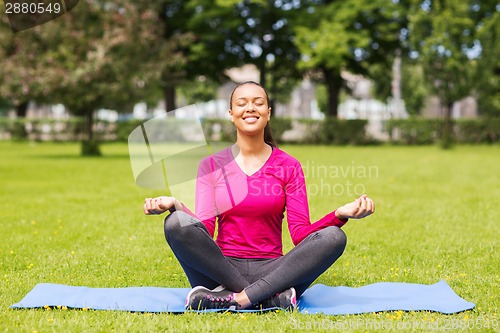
(230, 115)
(269, 114)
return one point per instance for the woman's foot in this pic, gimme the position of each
(286, 300)
(201, 298)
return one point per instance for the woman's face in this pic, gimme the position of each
(249, 109)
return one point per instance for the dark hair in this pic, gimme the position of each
(268, 136)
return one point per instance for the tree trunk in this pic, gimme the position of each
(90, 146)
(20, 132)
(334, 84)
(89, 122)
(263, 70)
(447, 136)
(22, 109)
(169, 97)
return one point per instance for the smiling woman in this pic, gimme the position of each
(244, 190)
(251, 95)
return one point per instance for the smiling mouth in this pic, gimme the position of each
(250, 119)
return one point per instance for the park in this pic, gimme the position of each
(72, 208)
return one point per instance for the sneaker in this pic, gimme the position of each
(286, 300)
(201, 298)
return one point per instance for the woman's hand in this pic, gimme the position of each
(159, 205)
(359, 208)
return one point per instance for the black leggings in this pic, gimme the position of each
(205, 265)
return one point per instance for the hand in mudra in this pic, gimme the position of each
(359, 208)
(159, 205)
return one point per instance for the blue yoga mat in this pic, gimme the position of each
(384, 296)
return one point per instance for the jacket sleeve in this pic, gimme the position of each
(297, 208)
(205, 206)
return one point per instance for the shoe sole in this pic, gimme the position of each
(293, 299)
(191, 292)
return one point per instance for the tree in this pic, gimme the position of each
(265, 38)
(99, 55)
(413, 85)
(20, 79)
(229, 33)
(443, 32)
(488, 72)
(335, 36)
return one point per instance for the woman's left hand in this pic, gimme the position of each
(358, 209)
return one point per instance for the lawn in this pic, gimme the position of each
(78, 221)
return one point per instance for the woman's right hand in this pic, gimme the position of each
(159, 205)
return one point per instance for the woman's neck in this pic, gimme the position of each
(251, 146)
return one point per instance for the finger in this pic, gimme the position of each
(355, 208)
(162, 204)
(362, 207)
(152, 206)
(369, 205)
(372, 206)
(358, 203)
(147, 203)
(147, 206)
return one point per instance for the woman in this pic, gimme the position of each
(246, 189)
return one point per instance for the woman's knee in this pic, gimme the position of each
(178, 223)
(335, 237)
(171, 223)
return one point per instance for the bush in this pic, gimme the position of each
(218, 129)
(414, 131)
(15, 129)
(343, 132)
(417, 131)
(124, 128)
(333, 131)
(279, 126)
(478, 130)
(90, 148)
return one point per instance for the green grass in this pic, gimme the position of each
(78, 221)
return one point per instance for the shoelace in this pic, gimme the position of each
(219, 302)
(220, 299)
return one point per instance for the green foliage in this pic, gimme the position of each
(14, 128)
(414, 88)
(443, 33)
(488, 68)
(221, 33)
(413, 85)
(343, 132)
(322, 98)
(218, 130)
(93, 57)
(279, 126)
(90, 148)
(420, 131)
(477, 131)
(202, 89)
(333, 131)
(335, 36)
(414, 131)
(125, 127)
